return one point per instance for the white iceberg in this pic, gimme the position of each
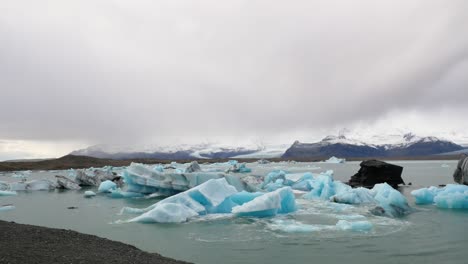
(335, 160)
(89, 194)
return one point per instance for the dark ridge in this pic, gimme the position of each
(34, 244)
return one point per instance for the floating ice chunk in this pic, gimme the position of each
(354, 196)
(85, 179)
(4, 186)
(391, 200)
(292, 226)
(335, 160)
(453, 196)
(205, 198)
(281, 201)
(159, 168)
(6, 208)
(107, 186)
(213, 192)
(8, 193)
(193, 167)
(21, 175)
(351, 217)
(142, 179)
(358, 226)
(322, 187)
(239, 168)
(274, 186)
(273, 177)
(36, 185)
(89, 194)
(118, 193)
(65, 183)
(425, 195)
(166, 213)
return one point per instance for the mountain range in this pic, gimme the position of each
(344, 145)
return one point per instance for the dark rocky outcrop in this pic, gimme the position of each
(461, 172)
(375, 171)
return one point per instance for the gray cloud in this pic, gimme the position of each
(111, 71)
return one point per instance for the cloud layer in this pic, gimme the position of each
(113, 71)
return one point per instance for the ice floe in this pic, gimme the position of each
(452, 196)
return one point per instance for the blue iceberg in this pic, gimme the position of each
(216, 196)
(452, 196)
(107, 186)
(281, 201)
(200, 200)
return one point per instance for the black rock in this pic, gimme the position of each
(375, 171)
(461, 172)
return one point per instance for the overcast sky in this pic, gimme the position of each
(76, 73)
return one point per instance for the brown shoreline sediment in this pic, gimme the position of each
(21, 243)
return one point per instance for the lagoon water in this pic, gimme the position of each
(428, 235)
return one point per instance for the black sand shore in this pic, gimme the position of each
(34, 244)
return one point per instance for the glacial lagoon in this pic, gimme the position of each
(311, 234)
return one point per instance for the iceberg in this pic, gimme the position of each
(65, 183)
(292, 226)
(6, 208)
(193, 167)
(8, 193)
(107, 186)
(281, 201)
(4, 186)
(84, 179)
(272, 177)
(452, 196)
(35, 185)
(390, 201)
(118, 193)
(238, 168)
(335, 160)
(358, 226)
(200, 200)
(215, 196)
(142, 179)
(89, 194)
(167, 213)
(358, 195)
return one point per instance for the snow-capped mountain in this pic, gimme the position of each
(398, 146)
(346, 143)
(179, 152)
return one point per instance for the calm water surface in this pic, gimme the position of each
(428, 235)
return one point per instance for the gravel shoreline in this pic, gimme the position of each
(21, 243)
